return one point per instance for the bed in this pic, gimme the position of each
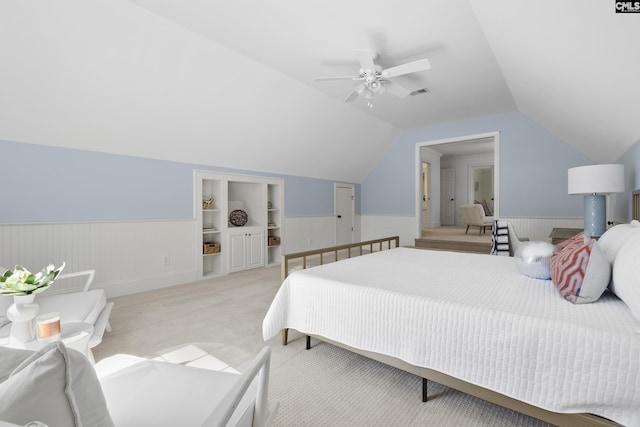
(475, 323)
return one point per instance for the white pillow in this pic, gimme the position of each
(533, 259)
(613, 239)
(54, 386)
(10, 359)
(626, 274)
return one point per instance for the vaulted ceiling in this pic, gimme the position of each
(232, 83)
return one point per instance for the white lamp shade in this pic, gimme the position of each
(596, 179)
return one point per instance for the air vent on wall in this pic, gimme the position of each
(419, 92)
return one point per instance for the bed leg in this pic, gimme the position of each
(308, 342)
(285, 336)
(424, 389)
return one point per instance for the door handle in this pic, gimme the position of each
(339, 216)
(452, 200)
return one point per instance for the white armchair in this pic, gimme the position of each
(59, 387)
(473, 215)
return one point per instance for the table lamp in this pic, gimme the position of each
(595, 182)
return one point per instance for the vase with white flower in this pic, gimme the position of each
(24, 286)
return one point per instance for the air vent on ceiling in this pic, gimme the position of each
(419, 92)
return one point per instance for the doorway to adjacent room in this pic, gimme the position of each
(480, 152)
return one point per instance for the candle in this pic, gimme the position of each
(48, 327)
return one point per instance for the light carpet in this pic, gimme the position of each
(324, 386)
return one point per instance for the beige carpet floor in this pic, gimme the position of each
(324, 386)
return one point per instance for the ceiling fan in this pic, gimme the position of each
(374, 79)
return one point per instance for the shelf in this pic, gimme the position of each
(211, 210)
(205, 231)
(214, 254)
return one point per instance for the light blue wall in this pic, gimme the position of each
(308, 197)
(41, 183)
(51, 184)
(533, 169)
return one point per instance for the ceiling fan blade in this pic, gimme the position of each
(365, 57)
(409, 67)
(354, 93)
(338, 78)
(397, 90)
(352, 96)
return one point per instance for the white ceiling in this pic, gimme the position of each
(232, 83)
(469, 147)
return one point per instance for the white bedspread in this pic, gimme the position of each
(474, 317)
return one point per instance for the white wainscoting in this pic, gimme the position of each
(128, 256)
(379, 226)
(304, 233)
(374, 227)
(538, 229)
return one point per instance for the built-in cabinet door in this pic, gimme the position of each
(237, 250)
(255, 250)
(246, 249)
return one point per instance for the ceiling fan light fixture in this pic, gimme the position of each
(373, 79)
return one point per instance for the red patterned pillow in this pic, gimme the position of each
(572, 241)
(580, 271)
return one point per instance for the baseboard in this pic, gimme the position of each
(148, 283)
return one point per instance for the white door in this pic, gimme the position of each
(447, 196)
(345, 211)
(426, 214)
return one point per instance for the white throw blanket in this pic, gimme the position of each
(476, 318)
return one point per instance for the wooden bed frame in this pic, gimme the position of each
(568, 420)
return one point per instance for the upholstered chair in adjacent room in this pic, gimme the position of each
(473, 215)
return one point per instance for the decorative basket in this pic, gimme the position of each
(273, 241)
(238, 218)
(211, 248)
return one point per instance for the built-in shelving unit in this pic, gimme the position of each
(274, 223)
(224, 247)
(210, 219)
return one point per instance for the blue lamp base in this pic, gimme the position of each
(595, 214)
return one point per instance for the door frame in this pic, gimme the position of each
(418, 172)
(335, 208)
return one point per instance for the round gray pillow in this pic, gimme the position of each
(533, 259)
